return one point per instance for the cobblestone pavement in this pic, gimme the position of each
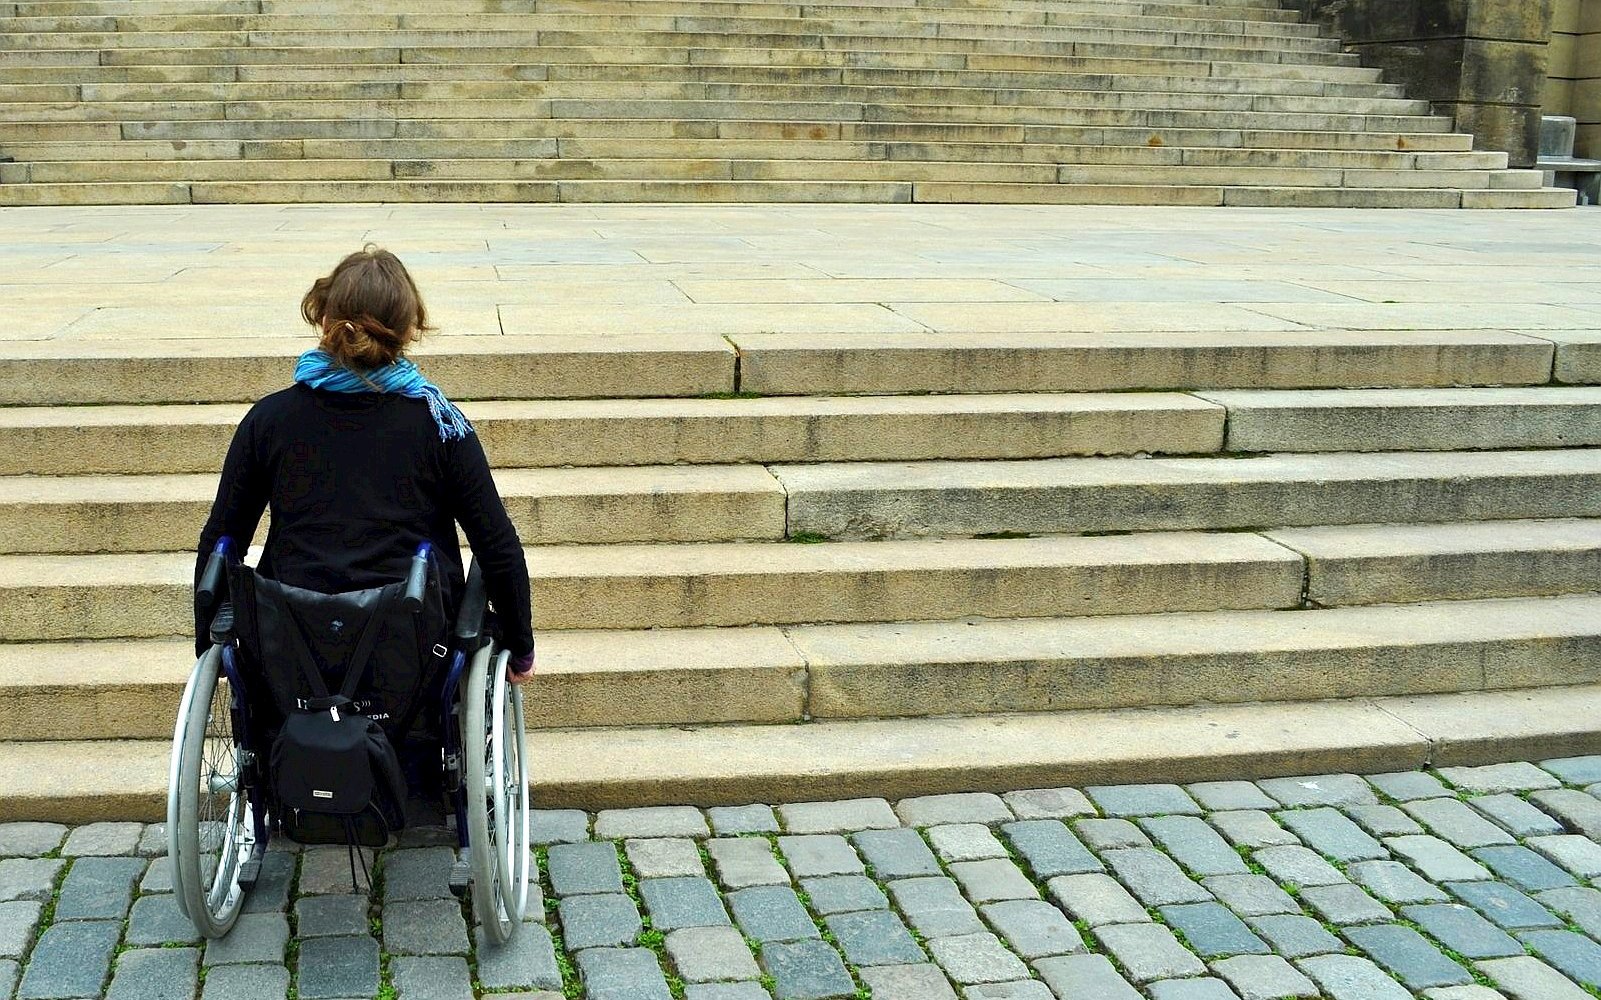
(1461, 884)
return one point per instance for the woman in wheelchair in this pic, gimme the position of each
(331, 672)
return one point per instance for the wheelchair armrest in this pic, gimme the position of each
(474, 604)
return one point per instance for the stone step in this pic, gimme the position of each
(219, 100)
(86, 780)
(640, 352)
(270, 136)
(120, 440)
(1411, 419)
(763, 17)
(50, 598)
(620, 29)
(716, 191)
(125, 689)
(874, 500)
(970, 171)
(280, 151)
(773, 108)
(59, 83)
(148, 48)
(934, 498)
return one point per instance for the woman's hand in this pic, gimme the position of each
(520, 669)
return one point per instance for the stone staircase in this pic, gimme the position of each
(1222, 102)
(811, 566)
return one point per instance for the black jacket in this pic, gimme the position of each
(355, 482)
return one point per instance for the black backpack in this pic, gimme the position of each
(336, 776)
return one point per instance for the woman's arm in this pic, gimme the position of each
(242, 494)
(483, 518)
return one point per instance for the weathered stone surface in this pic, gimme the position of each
(526, 961)
(1320, 790)
(1085, 976)
(965, 842)
(731, 821)
(256, 937)
(1110, 834)
(330, 916)
(558, 826)
(607, 920)
(898, 853)
(1463, 930)
(1409, 955)
(1250, 828)
(704, 954)
(1213, 931)
(1049, 803)
(1523, 868)
(664, 857)
(844, 894)
(935, 907)
(1518, 776)
(29, 839)
(989, 881)
(1344, 904)
(913, 982)
(18, 920)
(976, 958)
(1458, 823)
(1222, 796)
(1195, 845)
(417, 873)
(1580, 905)
(335, 967)
(584, 869)
(1575, 770)
(1528, 978)
(1033, 928)
(1261, 977)
(1514, 815)
(1394, 882)
(102, 839)
(1579, 855)
(622, 974)
(1251, 895)
(1096, 899)
(1578, 811)
(99, 888)
(1405, 786)
(1330, 833)
(432, 977)
(682, 902)
(1574, 955)
(1297, 865)
(246, 982)
(846, 816)
(936, 810)
(874, 937)
(1436, 860)
(155, 974)
(1154, 878)
(1295, 936)
(29, 878)
(807, 970)
(1349, 977)
(820, 854)
(156, 920)
(747, 861)
(1503, 905)
(1142, 800)
(1148, 952)
(651, 821)
(771, 913)
(69, 960)
(1383, 821)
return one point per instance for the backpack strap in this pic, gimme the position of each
(309, 663)
(356, 669)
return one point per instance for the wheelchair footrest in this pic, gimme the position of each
(461, 878)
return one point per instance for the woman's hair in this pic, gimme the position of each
(367, 308)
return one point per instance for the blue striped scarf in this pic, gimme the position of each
(319, 370)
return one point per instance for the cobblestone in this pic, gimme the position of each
(845, 816)
(1049, 803)
(898, 853)
(1574, 770)
(937, 810)
(731, 821)
(1496, 882)
(1518, 776)
(102, 840)
(747, 861)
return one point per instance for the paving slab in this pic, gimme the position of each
(705, 954)
(1033, 928)
(1195, 845)
(1462, 930)
(1264, 977)
(1212, 930)
(935, 810)
(1383, 820)
(731, 821)
(1049, 803)
(1409, 955)
(1220, 796)
(1123, 801)
(1405, 786)
(1349, 977)
(923, 981)
(893, 854)
(1515, 815)
(1154, 878)
(1523, 868)
(1096, 899)
(1252, 828)
(1528, 978)
(1517, 776)
(1085, 976)
(1296, 936)
(1147, 952)
(1458, 823)
(1320, 790)
(845, 816)
(1332, 834)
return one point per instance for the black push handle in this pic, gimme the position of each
(474, 602)
(417, 579)
(211, 580)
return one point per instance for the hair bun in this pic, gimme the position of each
(367, 309)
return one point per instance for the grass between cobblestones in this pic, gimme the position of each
(571, 988)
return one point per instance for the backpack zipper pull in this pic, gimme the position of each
(334, 711)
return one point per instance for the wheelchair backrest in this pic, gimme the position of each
(407, 648)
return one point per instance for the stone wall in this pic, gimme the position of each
(1481, 61)
(1573, 86)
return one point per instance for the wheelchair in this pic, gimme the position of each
(458, 718)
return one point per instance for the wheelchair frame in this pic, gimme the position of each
(484, 765)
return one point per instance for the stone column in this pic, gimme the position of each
(1481, 61)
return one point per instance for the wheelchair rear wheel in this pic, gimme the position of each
(209, 818)
(494, 749)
